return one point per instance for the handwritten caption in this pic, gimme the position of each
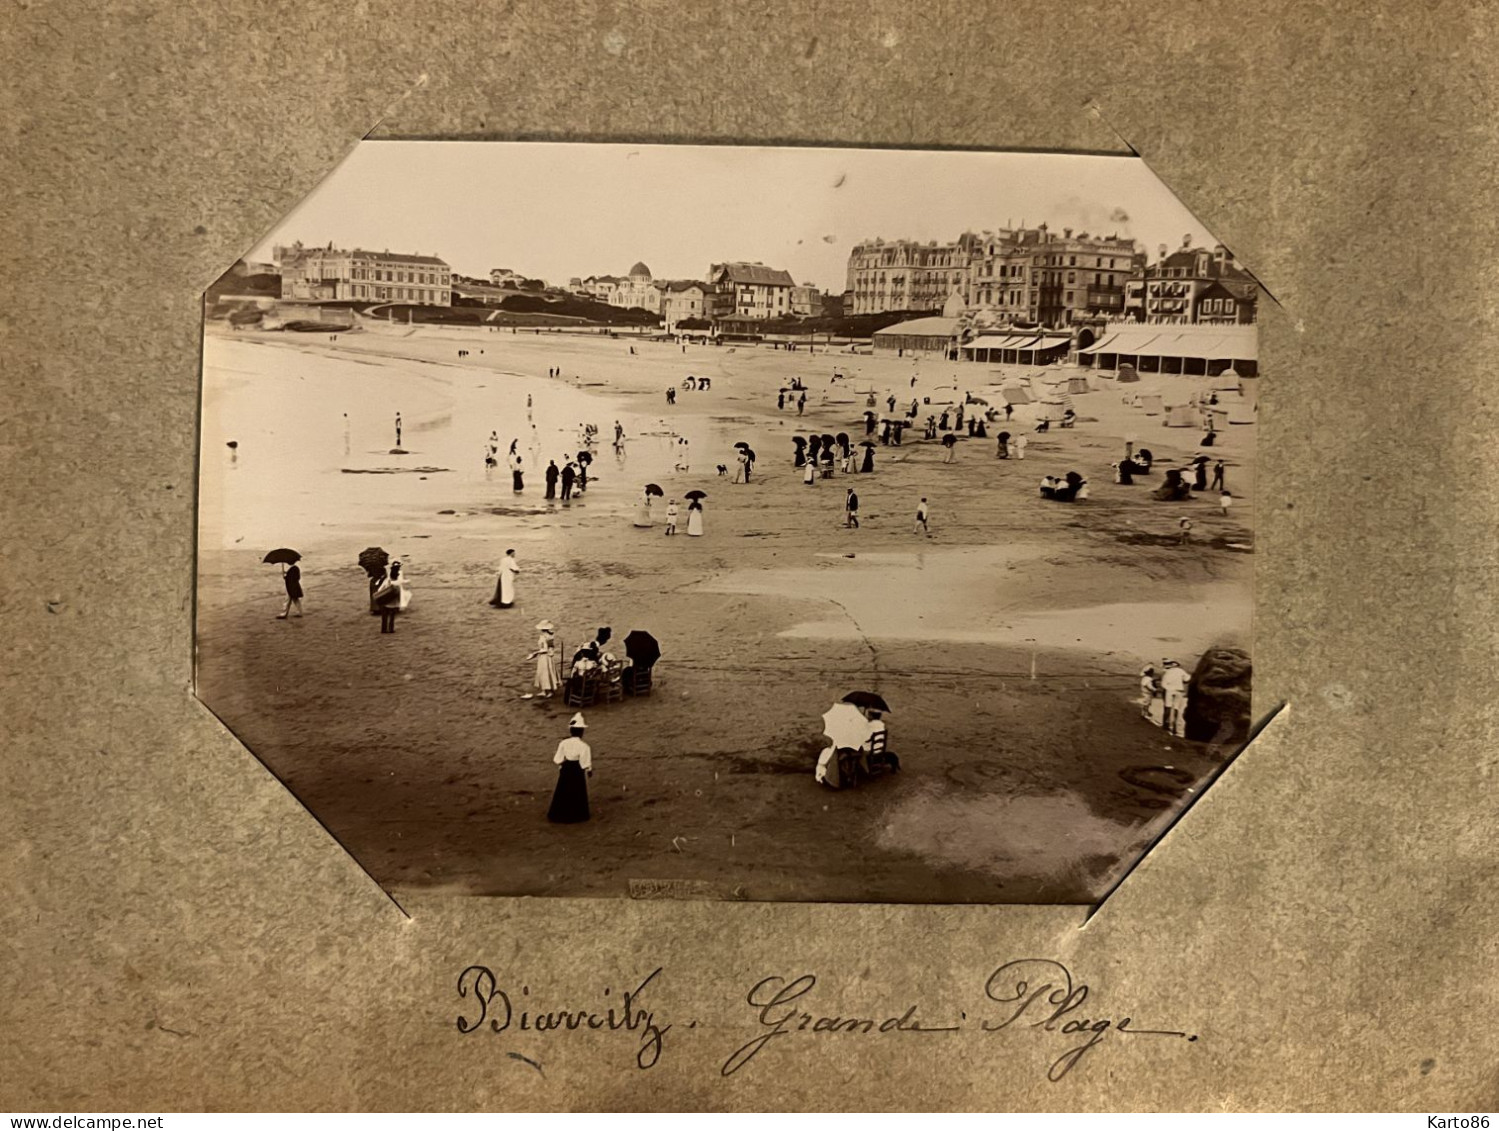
(1034, 995)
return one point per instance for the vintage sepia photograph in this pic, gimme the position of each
(795, 524)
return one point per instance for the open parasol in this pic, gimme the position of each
(585, 458)
(867, 699)
(842, 439)
(643, 649)
(373, 561)
(867, 444)
(749, 454)
(741, 445)
(654, 489)
(695, 495)
(845, 725)
(545, 626)
(949, 440)
(282, 556)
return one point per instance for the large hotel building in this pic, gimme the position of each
(1031, 274)
(335, 275)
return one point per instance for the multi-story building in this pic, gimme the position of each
(632, 290)
(1013, 274)
(683, 301)
(904, 274)
(1193, 284)
(1035, 275)
(503, 276)
(601, 287)
(805, 301)
(637, 290)
(749, 290)
(334, 275)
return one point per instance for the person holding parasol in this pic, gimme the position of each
(695, 513)
(643, 516)
(291, 577)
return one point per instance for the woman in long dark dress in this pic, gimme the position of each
(575, 759)
(293, 577)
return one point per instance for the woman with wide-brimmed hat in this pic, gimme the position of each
(574, 759)
(546, 660)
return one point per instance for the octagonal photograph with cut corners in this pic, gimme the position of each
(733, 523)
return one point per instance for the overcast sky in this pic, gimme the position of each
(554, 211)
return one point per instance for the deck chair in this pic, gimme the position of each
(638, 681)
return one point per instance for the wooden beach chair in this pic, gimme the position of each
(639, 681)
(581, 690)
(611, 686)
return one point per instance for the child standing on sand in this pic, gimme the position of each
(921, 513)
(671, 517)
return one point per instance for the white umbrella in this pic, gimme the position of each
(846, 725)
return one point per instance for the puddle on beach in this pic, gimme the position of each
(986, 595)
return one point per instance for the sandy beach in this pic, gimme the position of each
(1008, 642)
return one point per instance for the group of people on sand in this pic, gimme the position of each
(513, 459)
(645, 516)
(835, 772)
(1163, 696)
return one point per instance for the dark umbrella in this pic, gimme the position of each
(867, 444)
(741, 445)
(827, 440)
(695, 495)
(799, 441)
(949, 440)
(654, 489)
(643, 649)
(373, 561)
(750, 454)
(232, 444)
(842, 439)
(866, 699)
(585, 457)
(282, 556)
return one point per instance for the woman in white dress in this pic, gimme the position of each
(504, 594)
(695, 518)
(546, 661)
(643, 516)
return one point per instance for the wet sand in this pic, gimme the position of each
(1008, 642)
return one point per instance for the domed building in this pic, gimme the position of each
(638, 289)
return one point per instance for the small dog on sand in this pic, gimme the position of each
(722, 470)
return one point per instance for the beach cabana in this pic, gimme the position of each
(1151, 403)
(1077, 385)
(918, 336)
(1014, 394)
(1182, 416)
(1187, 350)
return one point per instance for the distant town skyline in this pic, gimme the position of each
(557, 211)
